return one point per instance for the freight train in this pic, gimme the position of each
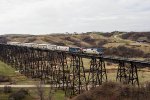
(60, 48)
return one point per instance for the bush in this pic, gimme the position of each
(124, 51)
(19, 95)
(88, 39)
(102, 42)
(61, 44)
(31, 39)
(4, 78)
(7, 89)
(147, 56)
(136, 35)
(116, 91)
(107, 34)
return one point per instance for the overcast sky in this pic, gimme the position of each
(48, 16)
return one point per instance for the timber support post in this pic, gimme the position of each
(102, 73)
(77, 76)
(93, 75)
(133, 75)
(121, 73)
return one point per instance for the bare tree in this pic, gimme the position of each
(40, 91)
(51, 93)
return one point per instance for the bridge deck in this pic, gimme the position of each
(104, 57)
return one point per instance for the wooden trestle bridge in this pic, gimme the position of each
(66, 70)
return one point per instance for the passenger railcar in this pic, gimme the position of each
(34, 45)
(14, 43)
(52, 47)
(62, 48)
(47, 46)
(43, 46)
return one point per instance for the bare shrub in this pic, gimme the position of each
(4, 78)
(116, 91)
(136, 35)
(124, 51)
(51, 94)
(7, 89)
(60, 43)
(107, 34)
(19, 95)
(72, 39)
(31, 39)
(147, 56)
(88, 39)
(102, 42)
(40, 91)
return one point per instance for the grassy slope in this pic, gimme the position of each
(16, 77)
(21, 79)
(118, 41)
(59, 95)
(6, 70)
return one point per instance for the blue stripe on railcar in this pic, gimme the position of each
(99, 49)
(74, 49)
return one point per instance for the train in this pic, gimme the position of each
(98, 51)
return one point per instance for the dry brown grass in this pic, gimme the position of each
(115, 91)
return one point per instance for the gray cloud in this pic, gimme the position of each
(47, 16)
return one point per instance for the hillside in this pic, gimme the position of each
(115, 43)
(137, 36)
(80, 40)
